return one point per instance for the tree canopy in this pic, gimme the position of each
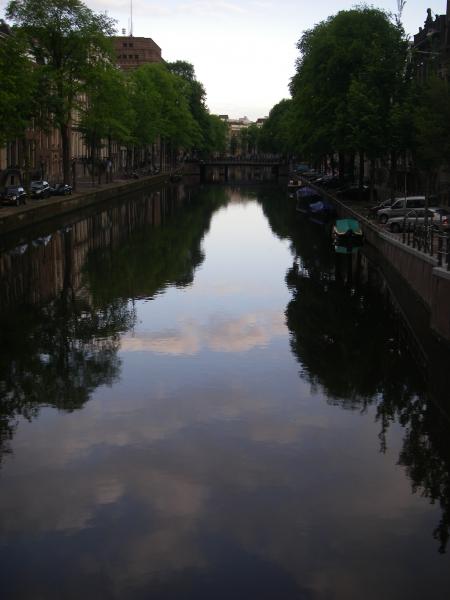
(66, 40)
(347, 75)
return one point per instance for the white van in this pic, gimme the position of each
(403, 206)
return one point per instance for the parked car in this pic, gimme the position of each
(61, 189)
(403, 206)
(354, 193)
(438, 218)
(373, 210)
(312, 175)
(40, 189)
(332, 182)
(14, 195)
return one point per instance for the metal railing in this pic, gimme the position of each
(429, 239)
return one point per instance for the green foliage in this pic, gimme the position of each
(212, 131)
(350, 70)
(59, 65)
(107, 112)
(17, 89)
(161, 106)
(276, 134)
(216, 135)
(67, 40)
(432, 123)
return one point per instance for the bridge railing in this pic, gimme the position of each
(258, 159)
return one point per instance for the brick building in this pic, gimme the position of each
(132, 52)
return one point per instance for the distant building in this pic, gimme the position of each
(234, 135)
(132, 52)
(432, 46)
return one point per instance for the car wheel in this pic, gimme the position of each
(383, 219)
(395, 228)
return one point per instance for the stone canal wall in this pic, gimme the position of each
(418, 270)
(37, 211)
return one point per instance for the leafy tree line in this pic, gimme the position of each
(354, 95)
(58, 71)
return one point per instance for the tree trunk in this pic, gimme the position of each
(93, 164)
(65, 142)
(361, 169)
(372, 179)
(341, 166)
(109, 173)
(351, 167)
(26, 166)
(393, 174)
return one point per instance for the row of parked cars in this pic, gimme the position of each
(397, 214)
(15, 195)
(401, 213)
(341, 187)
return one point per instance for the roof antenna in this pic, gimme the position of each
(131, 18)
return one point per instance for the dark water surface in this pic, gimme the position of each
(199, 401)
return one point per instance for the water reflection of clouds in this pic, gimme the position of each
(238, 334)
(200, 482)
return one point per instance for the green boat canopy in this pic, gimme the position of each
(344, 225)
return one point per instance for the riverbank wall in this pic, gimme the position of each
(37, 211)
(419, 272)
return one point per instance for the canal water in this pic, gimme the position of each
(199, 400)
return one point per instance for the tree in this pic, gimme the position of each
(162, 108)
(107, 113)
(276, 132)
(432, 130)
(17, 89)
(213, 134)
(348, 73)
(432, 122)
(67, 40)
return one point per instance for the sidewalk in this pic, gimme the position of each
(34, 211)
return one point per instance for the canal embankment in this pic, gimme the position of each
(37, 211)
(421, 272)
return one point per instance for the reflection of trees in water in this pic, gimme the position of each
(57, 356)
(349, 341)
(58, 353)
(151, 259)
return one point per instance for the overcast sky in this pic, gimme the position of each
(243, 51)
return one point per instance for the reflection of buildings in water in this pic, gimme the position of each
(78, 285)
(40, 269)
(71, 341)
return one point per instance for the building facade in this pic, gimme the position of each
(40, 152)
(431, 46)
(133, 52)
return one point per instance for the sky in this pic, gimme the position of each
(243, 51)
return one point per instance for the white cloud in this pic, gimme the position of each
(240, 334)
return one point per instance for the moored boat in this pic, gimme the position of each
(294, 184)
(321, 212)
(347, 233)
